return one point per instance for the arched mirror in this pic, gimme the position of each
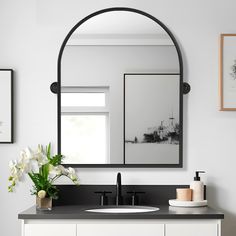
(120, 80)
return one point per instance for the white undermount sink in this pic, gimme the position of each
(124, 209)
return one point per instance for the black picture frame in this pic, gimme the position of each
(128, 93)
(58, 90)
(6, 80)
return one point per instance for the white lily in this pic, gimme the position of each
(64, 171)
(54, 171)
(41, 164)
(15, 176)
(40, 156)
(28, 153)
(12, 164)
(24, 162)
(34, 166)
(72, 175)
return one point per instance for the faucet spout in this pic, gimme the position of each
(118, 190)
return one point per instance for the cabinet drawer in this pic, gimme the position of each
(191, 229)
(50, 229)
(120, 229)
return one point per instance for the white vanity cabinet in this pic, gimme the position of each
(189, 228)
(42, 228)
(116, 227)
(120, 227)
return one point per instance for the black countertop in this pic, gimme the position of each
(78, 212)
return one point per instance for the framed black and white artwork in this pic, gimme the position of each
(151, 118)
(6, 106)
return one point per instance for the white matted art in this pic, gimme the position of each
(151, 118)
(227, 83)
(6, 106)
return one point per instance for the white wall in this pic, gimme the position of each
(31, 34)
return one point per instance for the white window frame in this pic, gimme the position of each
(90, 110)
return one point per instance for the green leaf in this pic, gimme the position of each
(48, 151)
(45, 171)
(56, 160)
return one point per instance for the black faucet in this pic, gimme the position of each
(119, 200)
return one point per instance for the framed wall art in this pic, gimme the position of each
(6, 106)
(227, 78)
(151, 118)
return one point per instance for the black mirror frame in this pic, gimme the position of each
(56, 88)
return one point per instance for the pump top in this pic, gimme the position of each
(197, 177)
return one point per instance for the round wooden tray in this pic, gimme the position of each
(177, 203)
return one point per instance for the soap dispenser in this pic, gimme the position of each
(197, 187)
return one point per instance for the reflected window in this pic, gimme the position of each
(83, 99)
(85, 125)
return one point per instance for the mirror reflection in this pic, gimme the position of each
(120, 92)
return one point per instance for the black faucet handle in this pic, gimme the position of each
(135, 192)
(103, 197)
(134, 197)
(102, 192)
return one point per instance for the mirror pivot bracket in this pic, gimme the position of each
(186, 88)
(54, 87)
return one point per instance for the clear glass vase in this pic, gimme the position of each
(44, 203)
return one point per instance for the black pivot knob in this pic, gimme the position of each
(54, 87)
(186, 88)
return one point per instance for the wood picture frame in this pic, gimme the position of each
(227, 72)
(6, 106)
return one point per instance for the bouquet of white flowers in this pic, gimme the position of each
(42, 168)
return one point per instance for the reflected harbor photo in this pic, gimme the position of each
(164, 134)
